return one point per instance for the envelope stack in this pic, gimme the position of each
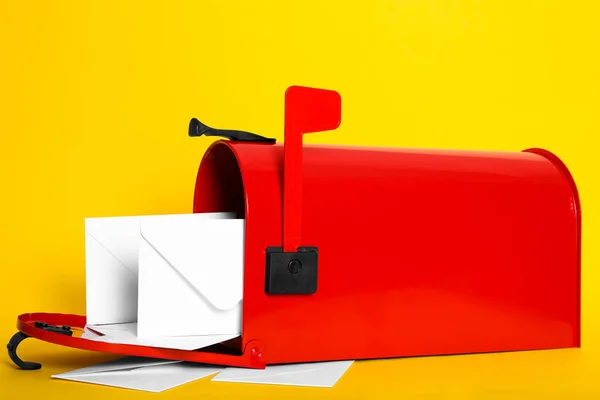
(172, 281)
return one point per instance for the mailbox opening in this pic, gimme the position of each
(219, 186)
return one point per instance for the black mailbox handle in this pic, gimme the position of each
(20, 336)
(197, 128)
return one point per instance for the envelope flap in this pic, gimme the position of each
(118, 236)
(208, 253)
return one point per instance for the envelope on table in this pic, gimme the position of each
(190, 277)
(112, 251)
(140, 373)
(318, 374)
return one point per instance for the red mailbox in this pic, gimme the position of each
(374, 252)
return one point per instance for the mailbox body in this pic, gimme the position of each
(421, 252)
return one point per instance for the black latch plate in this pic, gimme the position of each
(291, 272)
(63, 330)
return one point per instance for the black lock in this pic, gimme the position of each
(291, 272)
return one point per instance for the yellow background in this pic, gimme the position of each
(96, 98)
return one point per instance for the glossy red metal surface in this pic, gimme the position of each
(251, 358)
(421, 252)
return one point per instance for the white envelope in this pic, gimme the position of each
(127, 334)
(111, 256)
(321, 374)
(139, 373)
(190, 276)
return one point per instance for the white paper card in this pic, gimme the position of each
(190, 276)
(112, 264)
(120, 364)
(135, 373)
(324, 374)
(127, 334)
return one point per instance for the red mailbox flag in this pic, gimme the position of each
(306, 110)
